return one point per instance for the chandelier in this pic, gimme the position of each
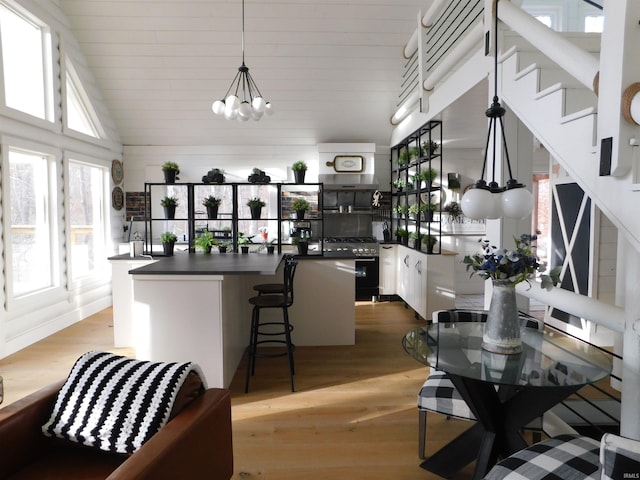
(491, 200)
(243, 99)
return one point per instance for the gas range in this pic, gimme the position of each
(350, 247)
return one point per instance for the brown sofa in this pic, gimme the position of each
(195, 444)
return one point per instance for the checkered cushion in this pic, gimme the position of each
(619, 457)
(439, 395)
(565, 457)
(451, 316)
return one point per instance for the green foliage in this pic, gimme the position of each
(170, 166)
(169, 202)
(255, 203)
(300, 204)
(401, 232)
(299, 166)
(211, 201)
(204, 240)
(244, 240)
(168, 237)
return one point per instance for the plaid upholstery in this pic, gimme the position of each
(564, 457)
(619, 457)
(439, 395)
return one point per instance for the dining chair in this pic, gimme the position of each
(438, 394)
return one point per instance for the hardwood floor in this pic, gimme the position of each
(353, 415)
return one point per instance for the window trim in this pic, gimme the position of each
(57, 290)
(98, 274)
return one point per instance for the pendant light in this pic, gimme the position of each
(491, 200)
(243, 100)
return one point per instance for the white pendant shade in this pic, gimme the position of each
(218, 107)
(479, 203)
(517, 202)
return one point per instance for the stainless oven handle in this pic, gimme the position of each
(365, 259)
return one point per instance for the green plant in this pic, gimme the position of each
(453, 209)
(429, 239)
(414, 152)
(428, 175)
(403, 157)
(299, 166)
(399, 183)
(204, 240)
(429, 207)
(401, 232)
(300, 204)
(255, 203)
(415, 209)
(516, 266)
(168, 237)
(401, 209)
(244, 240)
(170, 166)
(414, 235)
(429, 147)
(211, 201)
(169, 202)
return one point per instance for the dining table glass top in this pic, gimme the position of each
(548, 358)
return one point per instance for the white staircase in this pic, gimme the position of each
(563, 116)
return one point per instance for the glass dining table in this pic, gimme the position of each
(505, 392)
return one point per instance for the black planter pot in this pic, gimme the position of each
(244, 249)
(207, 249)
(170, 213)
(271, 249)
(298, 175)
(300, 214)
(222, 249)
(168, 248)
(256, 213)
(428, 216)
(170, 176)
(303, 248)
(212, 212)
(430, 248)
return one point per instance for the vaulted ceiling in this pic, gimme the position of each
(331, 68)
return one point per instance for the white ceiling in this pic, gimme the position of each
(331, 68)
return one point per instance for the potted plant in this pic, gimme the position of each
(215, 175)
(300, 205)
(402, 236)
(401, 210)
(427, 210)
(255, 205)
(415, 238)
(454, 210)
(171, 171)
(169, 204)
(204, 241)
(271, 248)
(430, 241)
(399, 183)
(244, 241)
(415, 209)
(226, 232)
(403, 157)
(428, 176)
(414, 152)
(222, 246)
(169, 240)
(429, 148)
(212, 203)
(302, 242)
(299, 169)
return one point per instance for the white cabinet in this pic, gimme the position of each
(388, 266)
(424, 281)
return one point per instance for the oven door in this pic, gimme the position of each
(367, 277)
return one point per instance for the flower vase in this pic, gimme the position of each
(502, 330)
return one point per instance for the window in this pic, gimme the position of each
(80, 114)
(594, 24)
(30, 244)
(26, 62)
(86, 205)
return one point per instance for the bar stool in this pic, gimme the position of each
(276, 300)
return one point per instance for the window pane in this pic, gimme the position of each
(23, 61)
(30, 231)
(85, 201)
(78, 118)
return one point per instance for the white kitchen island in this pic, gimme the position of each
(194, 307)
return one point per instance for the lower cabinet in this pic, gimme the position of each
(424, 282)
(388, 266)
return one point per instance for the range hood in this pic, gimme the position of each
(348, 182)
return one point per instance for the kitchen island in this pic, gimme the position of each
(194, 307)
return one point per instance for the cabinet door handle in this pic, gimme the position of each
(418, 266)
(406, 260)
(386, 248)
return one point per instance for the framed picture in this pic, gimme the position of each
(347, 163)
(117, 172)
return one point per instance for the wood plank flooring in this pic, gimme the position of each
(353, 415)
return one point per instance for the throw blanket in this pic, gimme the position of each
(115, 403)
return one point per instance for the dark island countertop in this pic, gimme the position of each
(212, 264)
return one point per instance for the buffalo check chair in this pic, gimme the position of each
(438, 394)
(572, 457)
